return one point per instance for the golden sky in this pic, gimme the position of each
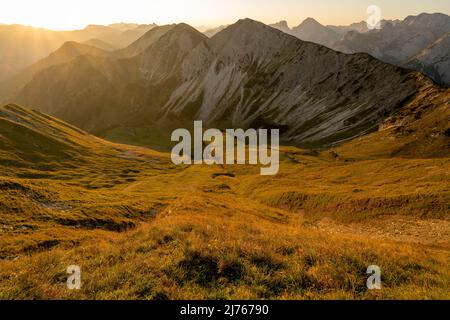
(76, 14)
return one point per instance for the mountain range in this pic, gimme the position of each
(21, 46)
(247, 75)
(397, 42)
(400, 42)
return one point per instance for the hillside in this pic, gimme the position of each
(49, 172)
(421, 129)
(29, 137)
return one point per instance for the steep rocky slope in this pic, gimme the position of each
(420, 129)
(434, 60)
(258, 76)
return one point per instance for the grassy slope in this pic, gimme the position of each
(199, 235)
(51, 173)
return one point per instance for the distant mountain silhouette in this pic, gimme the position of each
(21, 46)
(212, 32)
(311, 30)
(66, 53)
(400, 41)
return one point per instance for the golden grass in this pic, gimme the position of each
(233, 238)
(141, 228)
(211, 247)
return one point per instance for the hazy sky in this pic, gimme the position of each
(76, 14)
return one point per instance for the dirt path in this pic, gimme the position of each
(397, 228)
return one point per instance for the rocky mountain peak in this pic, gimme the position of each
(248, 35)
(313, 31)
(309, 23)
(144, 42)
(281, 25)
(183, 35)
(246, 25)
